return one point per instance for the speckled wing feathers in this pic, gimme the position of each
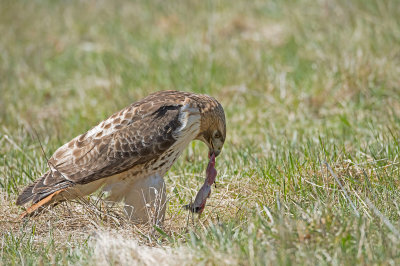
(136, 135)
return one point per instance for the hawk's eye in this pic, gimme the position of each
(217, 135)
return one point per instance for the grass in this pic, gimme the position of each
(310, 170)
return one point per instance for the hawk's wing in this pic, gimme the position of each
(134, 136)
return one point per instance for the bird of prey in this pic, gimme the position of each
(128, 154)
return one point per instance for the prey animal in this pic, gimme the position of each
(128, 154)
(204, 193)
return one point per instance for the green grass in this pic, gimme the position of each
(304, 84)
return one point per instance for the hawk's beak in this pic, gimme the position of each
(211, 151)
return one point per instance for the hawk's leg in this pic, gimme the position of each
(146, 200)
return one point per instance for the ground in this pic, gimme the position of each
(310, 169)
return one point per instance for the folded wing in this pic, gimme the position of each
(136, 135)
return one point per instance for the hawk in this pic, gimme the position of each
(129, 153)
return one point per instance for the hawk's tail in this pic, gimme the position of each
(42, 192)
(39, 206)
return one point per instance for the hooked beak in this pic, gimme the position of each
(212, 151)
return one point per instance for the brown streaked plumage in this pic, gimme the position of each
(129, 153)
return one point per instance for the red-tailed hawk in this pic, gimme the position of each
(130, 152)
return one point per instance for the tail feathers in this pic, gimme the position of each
(44, 186)
(32, 192)
(42, 192)
(26, 195)
(40, 205)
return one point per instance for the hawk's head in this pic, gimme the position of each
(213, 127)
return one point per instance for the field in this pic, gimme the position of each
(309, 173)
